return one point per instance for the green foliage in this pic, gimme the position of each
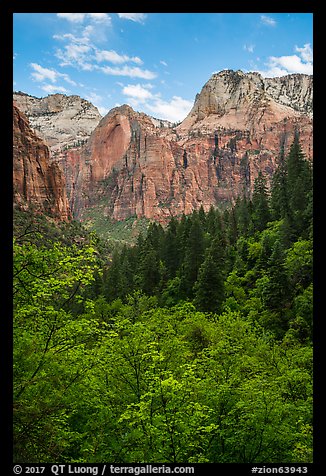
(191, 346)
(135, 382)
(298, 264)
(52, 350)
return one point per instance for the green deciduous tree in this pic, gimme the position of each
(53, 351)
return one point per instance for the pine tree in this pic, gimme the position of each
(194, 254)
(183, 230)
(243, 215)
(260, 206)
(230, 227)
(171, 249)
(202, 215)
(149, 271)
(278, 291)
(155, 234)
(112, 278)
(213, 224)
(209, 288)
(299, 190)
(127, 271)
(211, 221)
(279, 192)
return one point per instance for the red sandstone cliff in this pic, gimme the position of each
(37, 183)
(130, 167)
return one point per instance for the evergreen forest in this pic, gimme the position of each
(194, 345)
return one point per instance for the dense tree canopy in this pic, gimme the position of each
(193, 345)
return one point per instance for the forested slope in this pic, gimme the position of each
(194, 345)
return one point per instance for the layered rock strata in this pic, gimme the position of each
(38, 183)
(135, 165)
(61, 121)
(237, 127)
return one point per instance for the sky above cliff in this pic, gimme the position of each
(156, 62)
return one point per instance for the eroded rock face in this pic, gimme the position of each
(127, 165)
(249, 102)
(61, 121)
(293, 90)
(130, 167)
(37, 183)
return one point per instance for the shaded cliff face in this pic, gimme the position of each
(37, 183)
(61, 121)
(130, 167)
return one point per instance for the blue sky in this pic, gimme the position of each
(156, 62)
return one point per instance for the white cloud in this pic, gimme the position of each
(132, 72)
(81, 53)
(137, 17)
(114, 57)
(266, 20)
(293, 64)
(174, 110)
(80, 17)
(249, 48)
(163, 63)
(305, 52)
(77, 52)
(53, 88)
(88, 31)
(100, 17)
(282, 65)
(74, 53)
(93, 97)
(73, 17)
(40, 73)
(138, 92)
(74, 39)
(67, 78)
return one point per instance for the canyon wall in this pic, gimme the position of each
(38, 183)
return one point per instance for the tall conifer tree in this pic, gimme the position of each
(209, 288)
(260, 206)
(194, 254)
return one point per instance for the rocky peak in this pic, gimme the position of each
(135, 165)
(225, 91)
(233, 93)
(61, 121)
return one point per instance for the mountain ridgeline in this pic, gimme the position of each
(128, 164)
